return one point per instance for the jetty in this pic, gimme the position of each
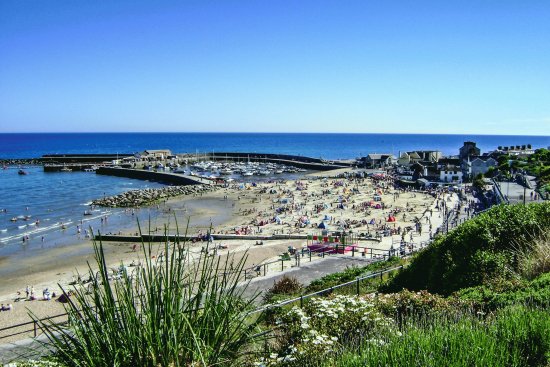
(162, 177)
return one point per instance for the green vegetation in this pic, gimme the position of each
(537, 164)
(353, 273)
(481, 251)
(170, 312)
(513, 337)
(490, 297)
(489, 306)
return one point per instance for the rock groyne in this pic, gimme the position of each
(136, 198)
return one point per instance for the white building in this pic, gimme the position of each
(450, 174)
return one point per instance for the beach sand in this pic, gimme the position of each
(229, 210)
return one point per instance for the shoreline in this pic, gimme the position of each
(228, 210)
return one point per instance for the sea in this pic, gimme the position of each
(49, 207)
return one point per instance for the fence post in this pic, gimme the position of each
(35, 331)
(358, 280)
(301, 300)
(353, 251)
(309, 255)
(371, 252)
(282, 265)
(381, 274)
(264, 269)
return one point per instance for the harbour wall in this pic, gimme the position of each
(162, 177)
(314, 164)
(81, 158)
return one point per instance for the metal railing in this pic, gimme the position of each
(33, 326)
(356, 282)
(375, 255)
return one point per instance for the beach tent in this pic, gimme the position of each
(278, 220)
(322, 225)
(327, 217)
(390, 219)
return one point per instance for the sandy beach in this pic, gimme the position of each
(282, 207)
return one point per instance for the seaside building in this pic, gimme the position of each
(480, 165)
(451, 174)
(427, 156)
(158, 154)
(516, 150)
(375, 160)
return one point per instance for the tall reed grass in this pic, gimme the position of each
(170, 311)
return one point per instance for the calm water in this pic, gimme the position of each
(57, 198)
(54, 200)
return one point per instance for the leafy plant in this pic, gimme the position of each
(171, 311)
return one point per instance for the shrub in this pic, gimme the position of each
(311, 334)
(476, 252)
(493, 296)
(406, 304)
(286, 285)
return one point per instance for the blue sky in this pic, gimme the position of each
(471, 67)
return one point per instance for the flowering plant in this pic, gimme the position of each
(314, 332)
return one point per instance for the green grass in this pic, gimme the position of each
(514, 337)
(177, 312)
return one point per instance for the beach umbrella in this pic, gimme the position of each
(322, 225)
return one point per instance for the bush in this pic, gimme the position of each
(286, 285)
(312, 334)
(490, 297)
(406, 304)
(476, 252)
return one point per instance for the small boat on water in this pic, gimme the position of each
(21, 172)
(66, 169)
(14, 219)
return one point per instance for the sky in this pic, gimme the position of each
(456, 67)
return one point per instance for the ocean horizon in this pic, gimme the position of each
(324, 145)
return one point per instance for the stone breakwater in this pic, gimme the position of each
(135, 198)
(20, 161)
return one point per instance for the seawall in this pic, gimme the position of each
(289, 160)
(162, 177)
